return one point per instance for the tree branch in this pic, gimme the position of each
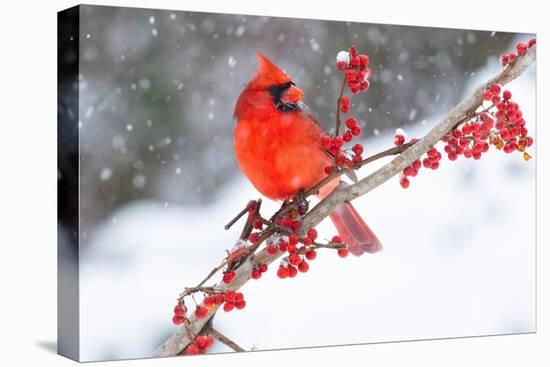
(179, 340)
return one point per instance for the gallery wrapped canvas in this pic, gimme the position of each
(233, 183)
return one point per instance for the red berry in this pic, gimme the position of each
(507, 94)
(399, 140)
(293, 239)
(504, 59)
(351, 122)
(208, 301)
(282, 272)
(303, 267)
(192, 349)
(218, 299)
(358, 149)
(256, 274)
(408, 171)
(404, 182)
(263, 268)
(228, 306)
(180, 310)
(272, 249)
(342, 65)
(345, 104)
(495, 88)
(522, 48)
(356, 131)
(228, 277)
(257, 223)
(432, 152)
(343, 252)
(364, 60)
(209, 341)
(347, 136)
(229, 296)
(311, 254)
(240, 304)
(532, 41)
(201, 341)
(253, 237)
(326, 141)
(294, 259)
(201, 312)
(178, 320)
(312, 234)
(351, 75)
(337, 239)
(338, 141)
(355, 61)
(291, 248)
(487, 95)
(307, 241)
(292, 271)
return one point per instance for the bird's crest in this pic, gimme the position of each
(268, 74)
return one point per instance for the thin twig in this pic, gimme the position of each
(224, 339)
(238, 216)
(340, 94)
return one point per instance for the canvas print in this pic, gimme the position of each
(233, 183)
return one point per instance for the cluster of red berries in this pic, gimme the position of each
(334, 144)
(343, 251)
(501, 125)
(291, 221)
(356, 73)
(230, 300)
(296, 261)
(355, 68)
(258, 271)
(510, 134)
(233, 300)
(200, 345)
(180, 314)
(521, 47)
(431, 161)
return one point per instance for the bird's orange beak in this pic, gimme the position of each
(292, 95)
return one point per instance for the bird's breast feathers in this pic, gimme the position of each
(280, 156)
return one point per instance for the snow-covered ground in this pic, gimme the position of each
(458, 260)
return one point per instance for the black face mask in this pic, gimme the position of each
(277, 91)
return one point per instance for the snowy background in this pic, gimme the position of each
(159, 181)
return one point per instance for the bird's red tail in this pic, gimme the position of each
(354, 231)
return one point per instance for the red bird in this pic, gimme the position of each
(278, 147)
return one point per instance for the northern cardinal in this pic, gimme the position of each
(278, 147)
